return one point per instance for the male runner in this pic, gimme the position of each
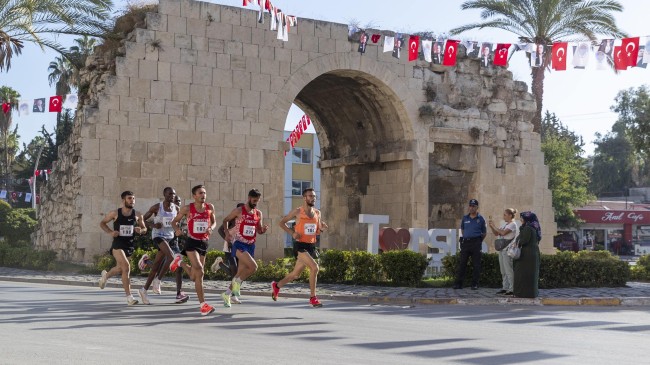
(308, 226)
(200, 224)
(247, 224)
(162, 233)
(230, 266)
(126, 222)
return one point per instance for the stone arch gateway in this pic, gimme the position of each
(201, 93)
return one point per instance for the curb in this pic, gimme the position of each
(392, 300)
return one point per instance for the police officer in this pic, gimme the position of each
(474, 230)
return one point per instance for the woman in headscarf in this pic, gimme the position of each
(527, 266)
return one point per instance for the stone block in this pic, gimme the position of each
(201, 93)
(212, 139)
(169, 54)
(107, 149)
(148, 134)
(322, 29)
(155, 171)
(250, 99)
(207, 59)
(326, 45)
(107, 168)
(339, 31)
(282, 54)
(222, 126)
(182, 123)
(230, 97)
(92, 185)
(180, 91)
(117, 85)
(202, 75)
(107, 131)
(90, 149)
(218, 31)
(237, 63)
(144, 36)
(138, 119)
(127, 67)
(240, 175)
(235, 113)
(231, 15)
(175, 108)
(253, 64)
(200, 44)
(176, 24)
(160, 90)
(200, 174)
(181, 72)
(241, 34)
(235, 141)
(183, 41)
(195, 109)
(277, 83)
(205, 124)
(129, 133)
(160, 121)
(169, 7)
(197, 29)
(139, 88)
(189, 56)
(222, 78)
(156, 21)
(257, 36)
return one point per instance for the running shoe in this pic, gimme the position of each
(235, 300)
(143, 296)
(315, 302)
(206, 309)
(235, 287)
(102, 280)
(182, 298)
(176, 262)
(156, 286)
(274, 291)
(142, 264)
(131, 300)
(226, 300)
(216, 264)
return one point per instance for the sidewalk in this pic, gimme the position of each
(635, 294)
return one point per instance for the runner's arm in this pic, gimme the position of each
(153, 211)
(175, 222)
(321, 224)
(213, 219)
(233, 215)
(283, 223)
(140, 228)
(110, 216)
(262, 228)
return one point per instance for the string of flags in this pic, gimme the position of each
(56, 105)
(294, 137)
(16, 196)
(620, 53)
(280, 22)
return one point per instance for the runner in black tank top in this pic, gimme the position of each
(126, 223)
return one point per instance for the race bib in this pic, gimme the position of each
(310, 228)
(200, 226)
(126, 231)
(167, 222)
(249, 231)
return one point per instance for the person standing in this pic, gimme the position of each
(200, 224)
(507, 231)
(248, 222)
(126, 222)
(474, 230)
(526, 268)
(308, 225)
(163, 234)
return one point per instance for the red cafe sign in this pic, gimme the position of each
(615, 216)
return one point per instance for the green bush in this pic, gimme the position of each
(490, 272)
(104, 262)
(404, 267)
(562, 270)
(17, 225)
(26, 257)
(334, 266)
(644, 262)
(270, 271)
(365, 268)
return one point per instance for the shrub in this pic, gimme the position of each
(644, 262)
(104, 262)
(269, 272)
(17, 224)
(490, 272)
(404, 267)
(26, 257)
(334, 266)
(365, 268)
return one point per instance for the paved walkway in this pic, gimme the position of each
(634, 294)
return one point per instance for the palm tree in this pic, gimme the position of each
(544, 22)
(10, 140)
(35, 21)
(62, 74)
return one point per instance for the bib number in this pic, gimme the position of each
(200, 226)
(126, 231)
(310, 229)
(167, 222)
(249, 231)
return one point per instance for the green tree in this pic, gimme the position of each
(9, 138)
(633, 108)
(613, 162)
(41, 21)
(544, 22)
(65, 70)
(568, 171)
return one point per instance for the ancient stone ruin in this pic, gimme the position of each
(200, 94)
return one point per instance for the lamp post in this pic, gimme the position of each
(38, 157)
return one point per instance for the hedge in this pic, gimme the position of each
(563, 270)
(23, 256)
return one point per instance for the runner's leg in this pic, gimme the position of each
(197, 272)
(309, 261)
(123, 266)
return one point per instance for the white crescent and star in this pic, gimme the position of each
(627, 48)
(451, 49)
(55, 102)
(502, 51)
(414, 45)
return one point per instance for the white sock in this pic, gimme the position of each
(238, 280)
(201, 305)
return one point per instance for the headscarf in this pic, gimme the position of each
(530, 220)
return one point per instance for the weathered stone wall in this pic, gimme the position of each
(202, 94)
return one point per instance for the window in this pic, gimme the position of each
(301, 155)
(297, 186)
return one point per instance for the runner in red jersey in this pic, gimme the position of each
(200, 223)
(248, 222)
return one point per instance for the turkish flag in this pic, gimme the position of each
(451, 49)
(620, 58)
(6, 107)
(558, 62)
(375, 38)
(414, 45)
(630, 46)
(501, 54)
(56, 103)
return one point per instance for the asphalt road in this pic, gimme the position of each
(55, 324)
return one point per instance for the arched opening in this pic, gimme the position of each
(365, 152)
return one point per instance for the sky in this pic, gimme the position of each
(580, 98)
